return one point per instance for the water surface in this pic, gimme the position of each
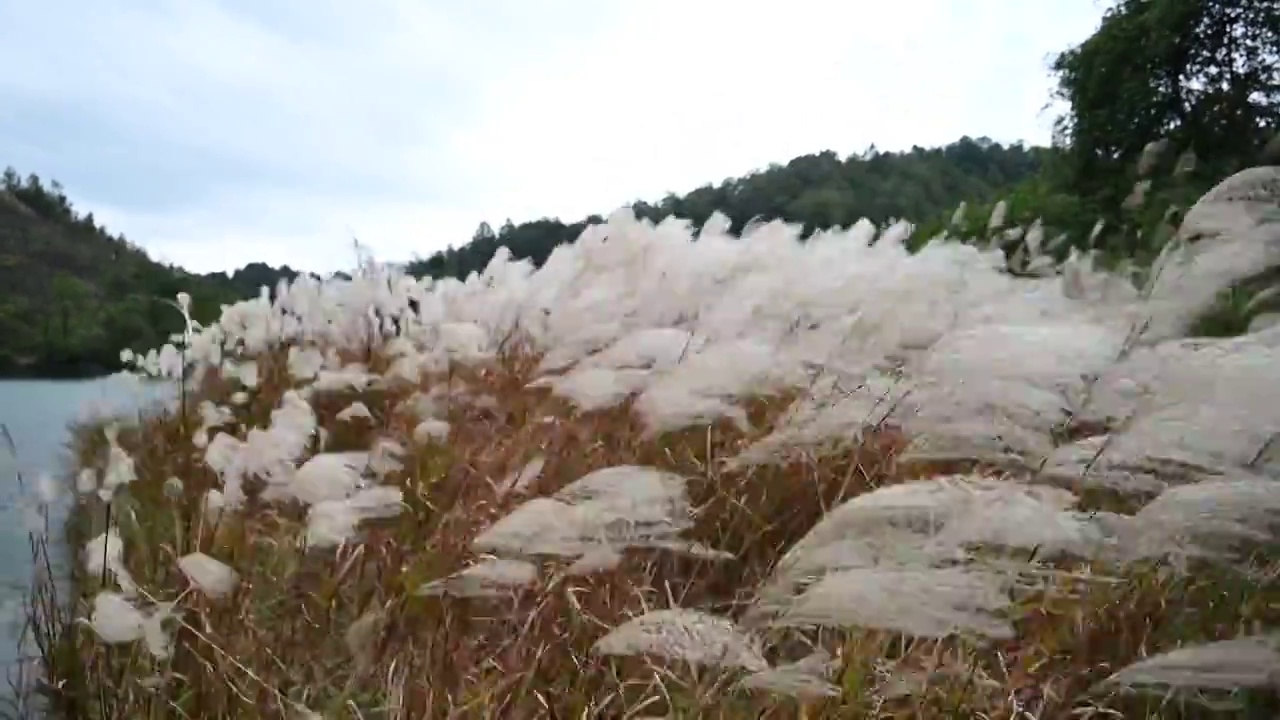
(37, 414)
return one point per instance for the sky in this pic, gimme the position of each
(214, 133)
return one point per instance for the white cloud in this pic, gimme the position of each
(215, 135)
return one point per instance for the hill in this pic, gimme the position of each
(75, 294)
(818, 191)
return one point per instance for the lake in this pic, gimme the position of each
(37, 413)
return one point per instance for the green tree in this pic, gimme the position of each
(71, 299)
(1201, 74)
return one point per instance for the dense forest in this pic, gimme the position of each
(1166, 97)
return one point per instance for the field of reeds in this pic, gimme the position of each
(742, 477)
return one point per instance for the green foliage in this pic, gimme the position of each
(74, 295)
(1176, 95)
(1203, 75)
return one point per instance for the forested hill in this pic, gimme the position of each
(72, 295)
(820, 191)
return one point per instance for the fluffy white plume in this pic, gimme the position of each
(688, 635)
(430, 430)
(806, 678)
(904, 536)
(942, 601)
(616, 507)
(1215, 518)
(1252, 661)
(335, 521)
(520, 479)
(488, 578)
(104, 556)
(117, 620)
(355, 411)
(327, 476)
(212, 577)
(120, 468)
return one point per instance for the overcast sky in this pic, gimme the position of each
(219, 132)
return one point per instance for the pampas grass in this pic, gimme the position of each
(739, 477)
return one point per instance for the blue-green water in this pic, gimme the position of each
(37, 414)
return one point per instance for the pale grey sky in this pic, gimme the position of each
(219, 132)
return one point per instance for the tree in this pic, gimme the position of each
(484, 233)
(71, 297)
(1203, 74)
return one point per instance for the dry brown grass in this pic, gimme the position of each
(341, 632)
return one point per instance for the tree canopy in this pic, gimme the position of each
(1201, 75)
